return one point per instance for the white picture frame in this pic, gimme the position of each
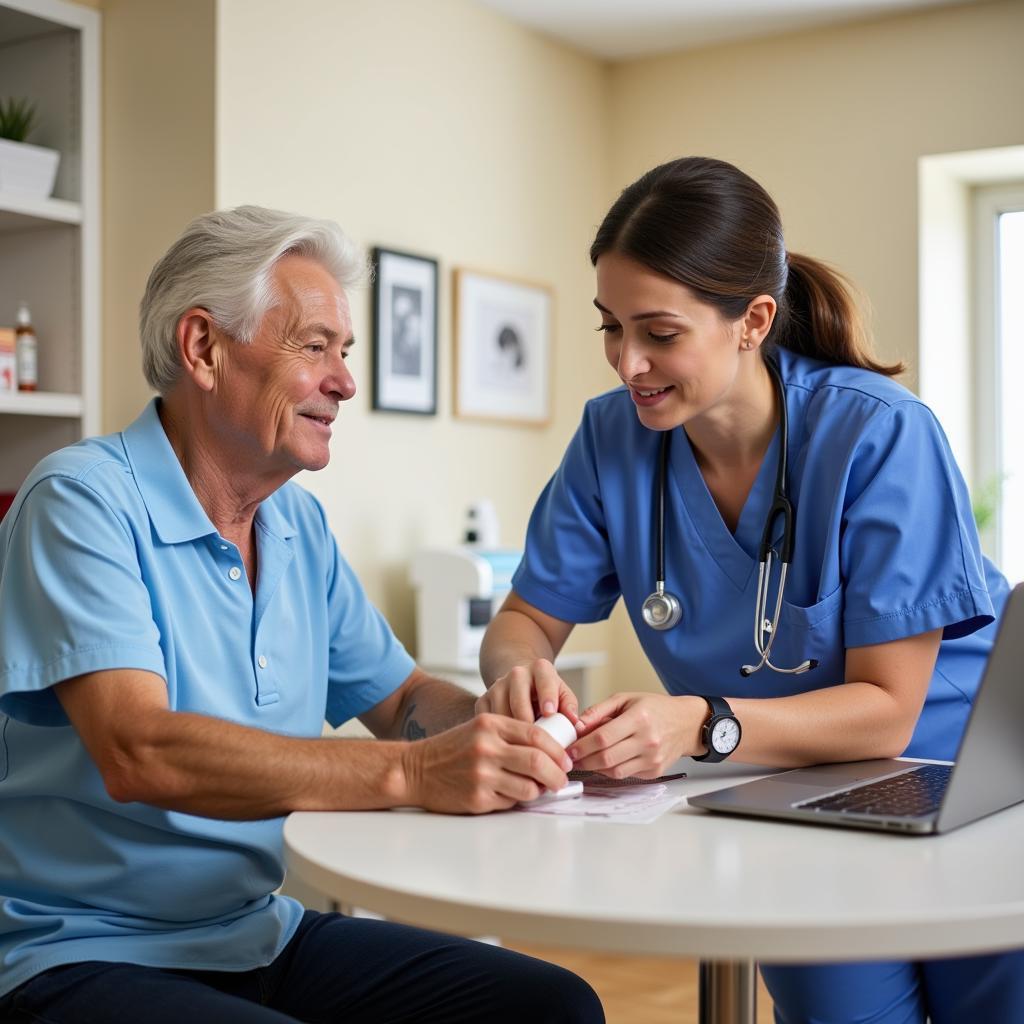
(502, 348)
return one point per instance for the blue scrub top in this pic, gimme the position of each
(107, 560)
(885, 545)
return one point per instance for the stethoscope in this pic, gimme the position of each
(662, 610)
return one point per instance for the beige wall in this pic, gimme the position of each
(158, 164)
(443, 129)
(833, 122)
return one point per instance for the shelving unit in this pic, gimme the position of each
(50, 248)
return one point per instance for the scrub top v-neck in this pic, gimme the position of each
(885, 546)
(734, 551)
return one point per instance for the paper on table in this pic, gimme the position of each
(635, 805)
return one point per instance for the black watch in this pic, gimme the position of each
(721, 731)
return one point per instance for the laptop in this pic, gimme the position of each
(906, 796)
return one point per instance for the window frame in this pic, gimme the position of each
(988, 204)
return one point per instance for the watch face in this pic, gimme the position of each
(725, 735)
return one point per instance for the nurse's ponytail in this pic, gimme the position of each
(818, 317)
(717, 231)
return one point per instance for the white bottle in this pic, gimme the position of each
(25, 349)
(563, 732)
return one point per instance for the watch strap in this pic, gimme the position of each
(719, 706)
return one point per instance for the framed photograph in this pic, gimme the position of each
(404, 332)
(502, 348)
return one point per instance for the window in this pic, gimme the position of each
(999, 372)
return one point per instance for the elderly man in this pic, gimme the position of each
(176, 621)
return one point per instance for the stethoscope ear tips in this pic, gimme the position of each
(661, 610)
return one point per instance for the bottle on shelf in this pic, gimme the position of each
(26, 353)
(8, 364)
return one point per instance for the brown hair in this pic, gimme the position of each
(714, 229)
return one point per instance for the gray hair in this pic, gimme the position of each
(223, 262)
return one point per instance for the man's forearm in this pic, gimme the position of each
(206, 766)
(431, 706)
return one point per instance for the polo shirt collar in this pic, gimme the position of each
(273, 520)
(173, 506)
(174, 509)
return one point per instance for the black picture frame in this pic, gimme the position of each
(404, 318)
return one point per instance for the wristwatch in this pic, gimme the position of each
(720, 732)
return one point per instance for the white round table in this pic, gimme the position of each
(725, 890)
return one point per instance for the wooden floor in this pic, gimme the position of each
(640, 989)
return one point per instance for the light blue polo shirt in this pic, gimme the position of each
(107, 560)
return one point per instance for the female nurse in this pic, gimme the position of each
(747, 383)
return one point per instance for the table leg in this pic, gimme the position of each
(728, 992)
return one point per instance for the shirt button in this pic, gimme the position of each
(235, 573)
(262, 661)
(223, 547)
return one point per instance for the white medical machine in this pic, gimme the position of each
(458, 591)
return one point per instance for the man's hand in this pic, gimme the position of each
(639, 734)
(528, 691)
(486, 764)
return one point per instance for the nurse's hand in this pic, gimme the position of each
(489, 763)
(639, 734)
(528, 691)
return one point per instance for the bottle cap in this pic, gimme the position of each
(569, 791)
(24, 316)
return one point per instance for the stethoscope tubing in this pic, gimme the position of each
(662, 610)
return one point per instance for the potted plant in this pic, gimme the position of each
(24, 169)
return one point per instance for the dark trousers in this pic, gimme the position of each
(335, 969)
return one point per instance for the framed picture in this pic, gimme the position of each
(502, 348)
(404, 332)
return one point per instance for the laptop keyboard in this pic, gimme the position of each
(913, 794)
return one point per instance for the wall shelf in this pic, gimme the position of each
(40, 403)
(20, 213)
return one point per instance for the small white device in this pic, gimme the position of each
(482, 524)
(563, 732)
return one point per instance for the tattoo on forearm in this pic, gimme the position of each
(411, 729)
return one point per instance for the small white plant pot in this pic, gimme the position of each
(27, 170)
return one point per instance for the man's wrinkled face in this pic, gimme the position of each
(278, 395)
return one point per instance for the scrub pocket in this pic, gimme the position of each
(814, 632)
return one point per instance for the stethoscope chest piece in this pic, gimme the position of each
(661, 610)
